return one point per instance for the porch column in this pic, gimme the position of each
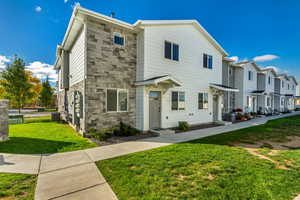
(3, 120)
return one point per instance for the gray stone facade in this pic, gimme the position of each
(3, 120)
(109, 66)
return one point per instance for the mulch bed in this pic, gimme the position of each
(118, 139)
(197, 127)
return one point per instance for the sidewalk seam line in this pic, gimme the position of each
(89, 187)
(75, 165)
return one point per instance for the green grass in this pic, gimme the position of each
(209, 168)
(17, 186)
(40, 135)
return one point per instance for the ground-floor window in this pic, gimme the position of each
(282, 101)
(248, 101)
(178, 100)
(116, 100)
(203, 101)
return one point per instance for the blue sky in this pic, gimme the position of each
(247, 29)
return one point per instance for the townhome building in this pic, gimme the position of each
(266, 90)
(245, 81)
(285, 86)
(150, 75)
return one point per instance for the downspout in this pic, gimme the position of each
(85, 77)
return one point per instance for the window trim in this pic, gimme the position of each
(203, 92)
(172, 53)
(118, 89)
(119, 35)
(178, 101)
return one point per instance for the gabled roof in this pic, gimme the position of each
(77, 20)
(244, 63)
(270, 70)
(283, 76)
(193, 22)
(294, 79)
(159, 79)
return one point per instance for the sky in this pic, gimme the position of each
(267, 31)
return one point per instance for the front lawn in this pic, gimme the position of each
(40, 135)
(17, 186)
(215, 167)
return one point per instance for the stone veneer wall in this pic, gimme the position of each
(3, 120)
(109, 66)
(70, 93)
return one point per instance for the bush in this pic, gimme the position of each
(101, 135)
(125, 130)
(239, 116)
(183, 125)
(247, 116)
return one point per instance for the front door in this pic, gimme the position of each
(253, 104)
(215, 107)
(154, 109)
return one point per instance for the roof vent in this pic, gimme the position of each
(112, 14)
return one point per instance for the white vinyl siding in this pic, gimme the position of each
(77, 59)
(188, 71)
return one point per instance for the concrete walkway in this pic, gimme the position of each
(74, 175)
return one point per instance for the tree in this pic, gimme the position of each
(46, 94)
(16, 84)
(36, 89)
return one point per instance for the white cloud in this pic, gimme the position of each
(38, 9)
(235, 58)
(65, 1)
(3, 62)
(42, 70)
(267, 57)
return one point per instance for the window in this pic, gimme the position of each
(230, 71)
(171, 51)
(207, 61)
(293, 87)
(117, 100)
(119, 39)
(178, 101)
(282, 101)
(288, 86)
(282, 84)
(202, 101)
(269, 80)
(250, 75)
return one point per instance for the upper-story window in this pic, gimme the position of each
(269, 80)
(282, 84)
(293, 87)
(119, 39)
(250, 75)
(288, 86)
(230, 71)
(207, 61)
(171, 51)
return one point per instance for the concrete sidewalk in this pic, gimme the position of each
(74, 175)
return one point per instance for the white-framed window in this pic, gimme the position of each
(250, 75)
(116, 100)
(119, 39)
(171, 51)
(269, 80)
(178, 100)
(288, 86)
(282, 84)
(202, 101)
(282, 101)
(230, 71)
(207, 61)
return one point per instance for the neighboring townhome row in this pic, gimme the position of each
(151, 75)
(261, 90)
